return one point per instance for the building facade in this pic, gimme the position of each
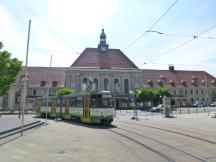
(105, 69)
(37, 86)
(186, 87)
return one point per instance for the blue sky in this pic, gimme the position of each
(77, 25)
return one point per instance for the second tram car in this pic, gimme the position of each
(87, 108)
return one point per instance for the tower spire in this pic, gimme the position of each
(103, 46)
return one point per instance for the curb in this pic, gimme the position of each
(16, 130)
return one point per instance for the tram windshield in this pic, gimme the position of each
(99, 101)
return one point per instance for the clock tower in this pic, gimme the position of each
(102, 46)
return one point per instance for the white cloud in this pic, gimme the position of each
(75, 18)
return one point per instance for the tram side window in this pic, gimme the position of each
(44, 102)
(49, 104)
(73, 102)
(79, 102)
(58, 103)
(63, 102)
(76, 102)
(94, 103)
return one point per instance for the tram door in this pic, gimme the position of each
(53, 108)
(38, 106)
(66, 113)
(86, 110)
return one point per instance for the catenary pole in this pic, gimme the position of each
(25, 79)
(48, 87)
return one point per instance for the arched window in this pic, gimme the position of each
(126, 86)
(95, 85)
(106, 84)
(116, 86)
(84, 84)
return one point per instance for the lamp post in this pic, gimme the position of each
(25, 78)
(134, 107)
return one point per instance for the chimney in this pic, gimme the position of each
(171, 68)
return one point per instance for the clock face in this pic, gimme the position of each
(103, 48)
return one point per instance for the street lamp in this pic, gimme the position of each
(135, 106)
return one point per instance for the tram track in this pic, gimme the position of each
(143, 145)
(134, 136)
(171, 131)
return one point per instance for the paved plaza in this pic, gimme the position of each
(8, 122)
(73, 142)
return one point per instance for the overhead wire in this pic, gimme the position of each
(182, 44)
(180, 35)
(159, 18)
(46, 24)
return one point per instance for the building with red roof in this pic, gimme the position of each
(107, 69)
(112, 70)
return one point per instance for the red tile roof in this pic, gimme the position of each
(178, 77)
(112, 59)
(37, 74)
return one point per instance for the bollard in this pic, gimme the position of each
(196, 110)
(188, 111)
(204, 109)
(180, 111)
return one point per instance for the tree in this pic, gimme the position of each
(145, 95)
(159, 93)
(152, 94)
(64, 91)
(9, 69)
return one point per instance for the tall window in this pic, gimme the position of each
(116, 86)
(106, 84)
(126, 86)
(95, 85)
(54, 83)
(43, 83)
(34, 92)
(84, 84)
(174, 91)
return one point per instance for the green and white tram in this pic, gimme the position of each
(87, 108)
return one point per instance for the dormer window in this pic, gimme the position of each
(54, 83)
(43, 83)
(194, 82)
(172, 83)
(203, 82)
(160, 83)
(183, 83)
(162, 77)
(213, 82)
(150, 82)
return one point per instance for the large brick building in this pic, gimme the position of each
(111, 70)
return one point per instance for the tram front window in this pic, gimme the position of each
(107, 103)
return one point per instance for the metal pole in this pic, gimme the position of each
(25, 79)
(49, 76)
